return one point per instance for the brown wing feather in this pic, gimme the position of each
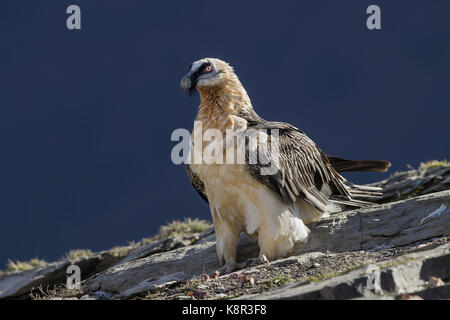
(196, 183)
(343, 165)
(303, 169)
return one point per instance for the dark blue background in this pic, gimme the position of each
(86, 116)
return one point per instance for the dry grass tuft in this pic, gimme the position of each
(59, 292)
(177, 228)
(78, 254)
(18, 266)
(434, 164)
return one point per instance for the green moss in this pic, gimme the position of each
(179, 288)
(417, 191)
(328, 275)
(321, 277)
(393, 263)
(279, 280)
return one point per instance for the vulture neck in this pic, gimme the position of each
(221, 101)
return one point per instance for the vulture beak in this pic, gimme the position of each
(188, 83)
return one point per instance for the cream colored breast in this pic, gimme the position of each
(229, 186)
(230, 189)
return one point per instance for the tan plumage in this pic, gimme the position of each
(274, 208)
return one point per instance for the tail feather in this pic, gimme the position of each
(342, 165)
(363, 191)
(360, 196)
(351, 202)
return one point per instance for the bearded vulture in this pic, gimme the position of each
(274, 208)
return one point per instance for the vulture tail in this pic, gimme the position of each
(360, 196)
(342, 165)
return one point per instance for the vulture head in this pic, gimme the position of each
(206, 73)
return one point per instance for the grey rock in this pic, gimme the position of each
(401, 185)
(159, 269)
(154, 283)
(17, 284)
(362, 229)
(219, 290)
(438, 293)
(202, 287)
(409, 275)
(208, 235)
(379, 227)
(372, 228)
(53, 274)
(285, 262)
(21, 283)
(102, 295)
(159, 246)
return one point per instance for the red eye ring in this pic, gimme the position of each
(208, 68)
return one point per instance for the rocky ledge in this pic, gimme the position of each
(397, 249)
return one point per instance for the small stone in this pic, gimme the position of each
(316, 265)
(285, 262)
(264, 259)
(235, 275)
(252, 281)
(219, 289)
(434, 282)
(202, 287)
(185, 297)
(244, 279)
(97, 295)
(200, 294)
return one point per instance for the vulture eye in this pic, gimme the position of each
(208, 68)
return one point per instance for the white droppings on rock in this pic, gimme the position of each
(435, 213)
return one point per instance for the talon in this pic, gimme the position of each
(228, 268)
(257, 261)
(264, 259)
